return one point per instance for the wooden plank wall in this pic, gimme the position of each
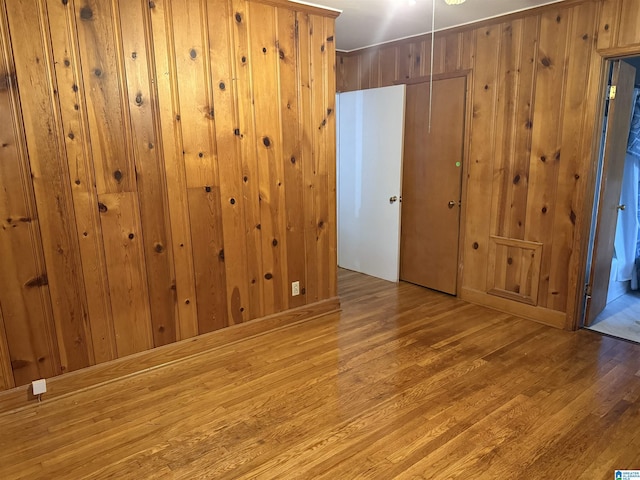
(167, 169)
(533, 92)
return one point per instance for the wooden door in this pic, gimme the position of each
(370, 133)
(616, 136)
(431, 184)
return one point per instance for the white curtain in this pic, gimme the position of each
(627, 228)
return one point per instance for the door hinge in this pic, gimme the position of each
(613, 89)
(587, 290)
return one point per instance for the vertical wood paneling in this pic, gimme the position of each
(306, 131)
(264, 70)
(194, 113)
(291, 153)
(168, 101)
(518, 182)
(546, 146)
(123, 243)
(508, 89)
(50, 177)
(149, 174)
(101, 74)
(330, 274)
(160, 188)
(85, 203)
(248, 153)
(208, 252)
(388, 66)
(480, 166)
(6, 374)
(609, 17)
(574, 114)
(229, 162)
(319, 112)
(629, 33)
(28, 344)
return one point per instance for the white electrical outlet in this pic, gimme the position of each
(295, 289)
(39, 386)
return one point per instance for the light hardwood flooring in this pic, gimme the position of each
(621, 317)
(403, 383)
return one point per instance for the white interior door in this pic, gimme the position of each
(370, 142)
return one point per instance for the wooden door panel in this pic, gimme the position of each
(617, 132)
(431, 179)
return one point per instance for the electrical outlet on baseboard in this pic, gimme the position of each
(39, 387)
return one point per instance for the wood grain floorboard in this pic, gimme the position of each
(402, 383)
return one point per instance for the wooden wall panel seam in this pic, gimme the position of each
(164, 59)
(88, 228)
(61, 252)
(248, 143)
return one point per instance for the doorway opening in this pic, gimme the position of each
(613, 269)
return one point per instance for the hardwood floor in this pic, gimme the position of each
(403, 383)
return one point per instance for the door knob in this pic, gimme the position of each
(393, 199)
(451, 204)
(621, 207)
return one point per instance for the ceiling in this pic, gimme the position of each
(369, 22)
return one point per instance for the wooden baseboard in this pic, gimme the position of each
(538, 314)
(89, 377)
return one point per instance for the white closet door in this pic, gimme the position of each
(370, 141)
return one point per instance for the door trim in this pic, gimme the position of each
(576, 310)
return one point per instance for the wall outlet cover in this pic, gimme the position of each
(39, 386)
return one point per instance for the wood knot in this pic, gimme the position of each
(516, 179)
(86, 13)
(158, 248)
(264, 49)
(232, 201)
(117, 175)
(131, 236)
(97, 72)
(546, 61)
(544, 209)
(222, 86)
(293, 160)
(238, 17)
(39, 281)
(268, 276)
(281, 54)
(274, 242)
(139, 99)
(475, 245)
(266, 142)
(67, 63)
(207, 189)
(221, 254)
(102, 208)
